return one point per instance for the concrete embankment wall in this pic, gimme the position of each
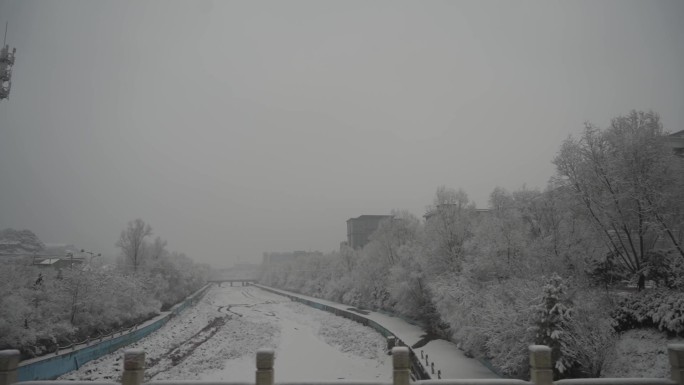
(54, 365)
(418, 371)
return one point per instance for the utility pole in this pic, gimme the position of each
(92, 255)
(71, 256)
(6, 63)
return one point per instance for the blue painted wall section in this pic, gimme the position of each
(52, 366)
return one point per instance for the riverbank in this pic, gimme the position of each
(445, 355)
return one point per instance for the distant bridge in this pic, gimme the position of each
(241, 281)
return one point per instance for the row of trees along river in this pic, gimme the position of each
(597, 252)
(43, 308)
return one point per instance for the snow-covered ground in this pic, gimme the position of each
(217, 339)
(447, 357)
(640, 353)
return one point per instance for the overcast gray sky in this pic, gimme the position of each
(235, 128)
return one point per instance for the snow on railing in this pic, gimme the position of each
(541, 372)
(89, 340)
(100, 337)
(615, 381)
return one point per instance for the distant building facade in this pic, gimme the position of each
(286, 257)
(360, 229)
(676, 142)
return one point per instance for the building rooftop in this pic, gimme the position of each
(48, 261)
(365, 216)
(676, 142)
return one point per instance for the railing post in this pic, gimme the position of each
(391, 340)
(541, 371)
(134, 367)
(9, 360)
(676, 353)
(264, 364)
(401, 364)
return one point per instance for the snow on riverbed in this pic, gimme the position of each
(217, 340)
(448, 359)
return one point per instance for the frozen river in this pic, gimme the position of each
(217, 340)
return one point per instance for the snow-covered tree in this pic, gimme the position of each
(500, 238)
(448, 225)
(132, 241)
(552, 324)
(629, 183)
(392, 233)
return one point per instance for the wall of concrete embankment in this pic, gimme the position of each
(54, 365)
(418, 371)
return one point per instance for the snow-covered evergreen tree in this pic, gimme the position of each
(552, 326)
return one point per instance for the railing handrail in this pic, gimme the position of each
(308, 382)
(475, 381)
(68, 382)
(615, 381)
(332, 382)
(574, 381)
(184, 382)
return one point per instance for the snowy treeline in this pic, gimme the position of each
(43, 308)
(559, 267)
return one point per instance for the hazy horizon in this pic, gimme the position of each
(237, 128)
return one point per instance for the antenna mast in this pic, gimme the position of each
(6, 63)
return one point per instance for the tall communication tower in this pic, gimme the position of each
(6, 63)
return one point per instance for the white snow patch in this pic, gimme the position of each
(640, 353)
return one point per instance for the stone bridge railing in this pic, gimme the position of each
(241, 281)
(541, 372)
